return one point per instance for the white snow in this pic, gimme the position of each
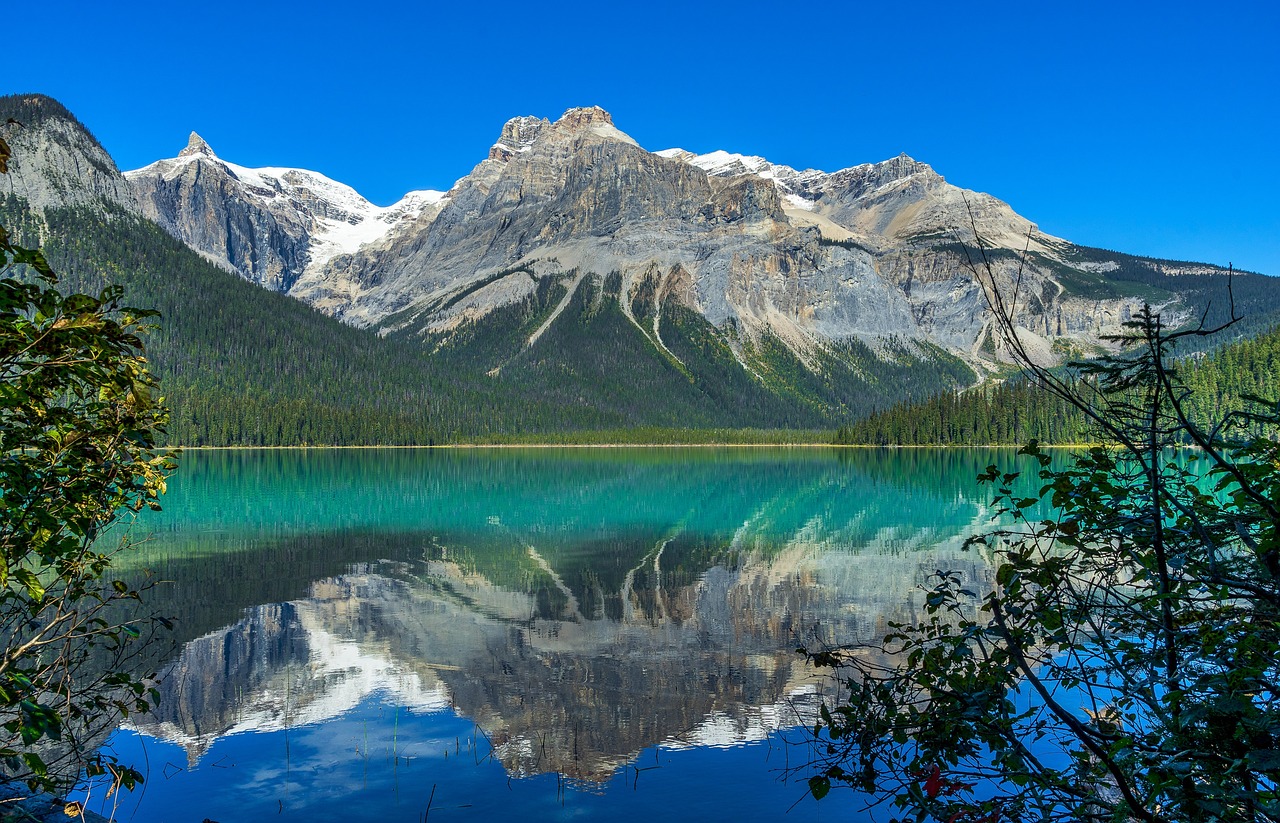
(720, 163)
(339, 673)
(799, 202)
(720, 729)
(723, 162)
(371, 223)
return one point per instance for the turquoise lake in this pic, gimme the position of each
(475, 634)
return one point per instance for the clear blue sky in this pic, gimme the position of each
(1148, 127)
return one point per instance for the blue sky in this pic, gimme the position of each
(1146, 127)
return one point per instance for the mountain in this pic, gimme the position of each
(239, 365)
(270, 225)
(806, 258)
(572, 281)
(56, 161)
(766, 255)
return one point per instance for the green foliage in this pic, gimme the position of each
(1226, 377)
(999, 414)
(1124, 661)
(78, 424)
(1016, 411)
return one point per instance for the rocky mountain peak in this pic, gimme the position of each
(584, 117)
(518, 135)
(589, 122)
(903, 166)
(196, 145)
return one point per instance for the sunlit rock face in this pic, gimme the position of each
(857, 267)
(868, 253)
(561, 674)
(56, 162)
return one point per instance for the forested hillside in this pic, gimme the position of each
(244, 366)
(1017, 411)
(240, 365)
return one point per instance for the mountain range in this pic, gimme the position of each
(577, 280)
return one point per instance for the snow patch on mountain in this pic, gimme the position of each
(333, 237)
(790, 183)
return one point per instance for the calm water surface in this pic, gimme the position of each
(547, 634)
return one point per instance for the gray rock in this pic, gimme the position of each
(55, 162)
(867, 253)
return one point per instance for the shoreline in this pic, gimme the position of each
(457, 446)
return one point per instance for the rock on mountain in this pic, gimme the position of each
(809, 258)
(55, 160)
(271, 225)
(866, 255)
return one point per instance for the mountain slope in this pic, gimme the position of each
(868, 253)
(56, 161)
(242, 365)
(876, 252)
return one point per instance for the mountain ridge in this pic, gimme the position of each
(293, 220)
(743, 244)
(572, 281)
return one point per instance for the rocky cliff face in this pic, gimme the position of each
(270, 224)
(55, 160)
(867, 253)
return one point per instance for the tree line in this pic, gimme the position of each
(1017, 411)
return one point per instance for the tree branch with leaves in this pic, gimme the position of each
(1126, 663)
(79, 419)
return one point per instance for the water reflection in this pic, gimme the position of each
(577, 606)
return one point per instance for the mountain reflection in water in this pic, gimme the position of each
(577, 606)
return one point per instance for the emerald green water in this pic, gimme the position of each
(576, 633)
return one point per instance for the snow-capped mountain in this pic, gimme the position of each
(790, 183)
(574, 266)
(810, 258)
(269, 224)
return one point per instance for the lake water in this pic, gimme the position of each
(586, 634)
